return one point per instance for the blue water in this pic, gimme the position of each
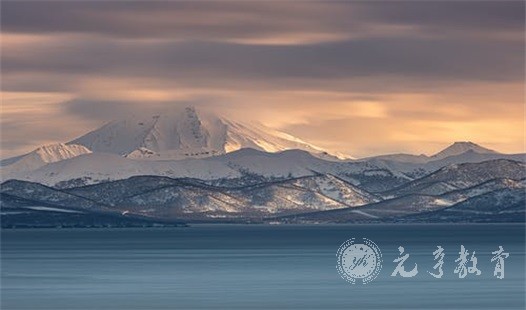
(252, 267)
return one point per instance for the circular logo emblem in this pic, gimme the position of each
(359, 260)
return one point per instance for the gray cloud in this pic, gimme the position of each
(443, 41)
(222, 19)
(235, 54)
(106, 110)
(452, 15)
(206, 62)
(175, 19)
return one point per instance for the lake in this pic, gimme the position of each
(253, 267)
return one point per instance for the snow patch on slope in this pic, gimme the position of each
(42, 156)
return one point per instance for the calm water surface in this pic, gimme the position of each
(252, 267)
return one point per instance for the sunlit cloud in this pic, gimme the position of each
(356, 77)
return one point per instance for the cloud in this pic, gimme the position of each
(459, 17)
(208, 20)
(209, 62)
(175, 20)
(327, 71)
(107, 110)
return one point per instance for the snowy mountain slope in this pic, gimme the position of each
(255, 197)
(471, 157)
(416, 170)
(464, 175)
(100, 167)
(399, 158)
(10, 160)
(483, 188)
(505, 204)
(42, 156)
(457, 153)
(36, 194)
(433, 188)
(166, 198)
(149, 145)
(183, 131)
(495, 201)
(380, 211)
(335, 188)
(500, 206)
(458, 148)
(468, 189)
(276, 198)
(186, 134)
(250, 164)
(455, 149)
(470, 174)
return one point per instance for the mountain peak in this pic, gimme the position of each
(43, 155)
(186, 133)
(461, 147)
(467, 144)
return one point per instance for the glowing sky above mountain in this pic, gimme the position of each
(354, 77)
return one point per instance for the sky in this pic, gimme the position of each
(361, 78)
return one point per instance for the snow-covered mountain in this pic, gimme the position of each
(455, 149)
(459, 152)
(42, 156)
(166, 198)
(204, 147)
(491, 191)
(458, 148)
(311, 198)
(249, 164)
(178, 144)
(186, 134)
(196, 166)
(253, 185)
(461, 176)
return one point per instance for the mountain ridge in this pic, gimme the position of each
(189, 133)
(307, 199)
